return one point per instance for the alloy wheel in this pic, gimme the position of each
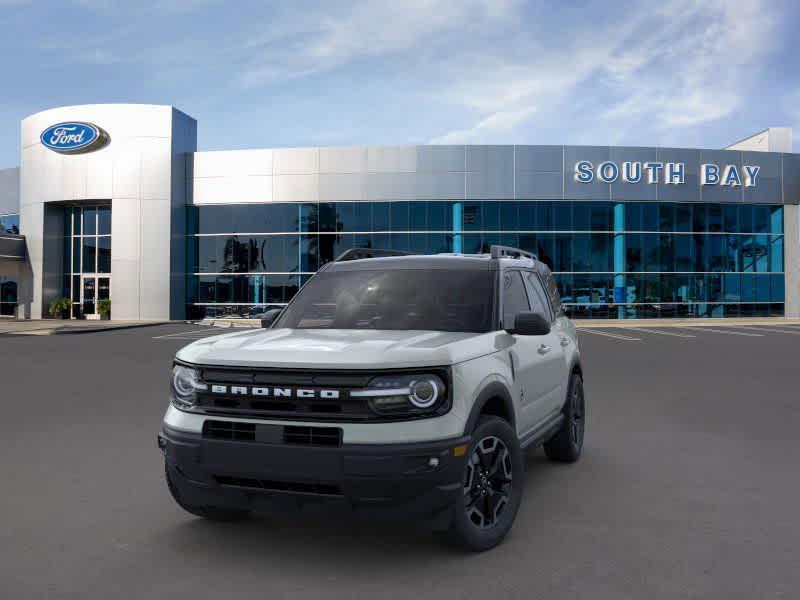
(487, 485)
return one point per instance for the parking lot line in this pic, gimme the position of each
(660, 332)
(192, 334)
(729, 331)
(615, 336)
(771, 330)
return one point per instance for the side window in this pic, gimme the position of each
(539, 302)
(515, 299)
(552, 289)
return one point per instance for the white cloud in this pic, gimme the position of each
(332, 36)
(675, 65)
(501, 121)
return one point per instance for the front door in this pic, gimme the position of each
(537, 359)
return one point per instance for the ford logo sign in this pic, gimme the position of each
(74, 137)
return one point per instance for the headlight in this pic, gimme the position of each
(404, 394)
(185, 385)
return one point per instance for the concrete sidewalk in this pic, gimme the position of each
(60, 327)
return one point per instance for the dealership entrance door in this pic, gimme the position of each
(87, 264)
(94, 289)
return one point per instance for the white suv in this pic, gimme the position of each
(391, 384)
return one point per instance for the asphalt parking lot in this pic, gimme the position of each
(688, 486)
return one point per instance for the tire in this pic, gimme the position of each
(485, 512)
(212, 513)
(566, 445)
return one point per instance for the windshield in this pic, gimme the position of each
(435, 300)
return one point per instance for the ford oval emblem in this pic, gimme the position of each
(74, 137)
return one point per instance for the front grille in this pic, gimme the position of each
(226, 430)
(250, 392)
(268, 433)
(289, 487)
(312, 436)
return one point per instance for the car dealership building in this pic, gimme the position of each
(113, 202)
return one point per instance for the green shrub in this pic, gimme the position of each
(59, 306)
(104, 307)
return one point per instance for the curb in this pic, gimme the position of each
(83, 330)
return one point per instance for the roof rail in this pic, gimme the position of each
(509, 252)
(359, 253)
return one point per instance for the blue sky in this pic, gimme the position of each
(298, 73)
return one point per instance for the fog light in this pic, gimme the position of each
(433, 462)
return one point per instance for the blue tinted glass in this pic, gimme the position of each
(602, 253)
(400, 216)
(762, 288)
(380, 216)
(89, 221)
(683, 217)
(731, 288)
(649, 252)
(562, 216)
(491, 215)
(544, 216)
(563, 252)
(440, 216)
(746, 218)
(714, 218)
(581, 216)
(417, 216)
(527, 216)
(682, 247)
(700, 218)
(104, 254)
(472, 216)
(581, 252)
(633, 216)
(362, 216)
(666, 216)
(509, 215)
(665, 251)
(104, 220)
(9, 224)
(776, 254)
(649, 216)
(730, 217)
(545, 249)
(776, 219)
(761, 219)
(748, 288)
(777, 290)
(633, 252)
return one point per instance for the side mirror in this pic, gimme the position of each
(530, 323)
(269, 317)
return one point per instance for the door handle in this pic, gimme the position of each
(544, 349)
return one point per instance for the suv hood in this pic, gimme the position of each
(338, 348)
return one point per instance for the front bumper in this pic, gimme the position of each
(418, 480)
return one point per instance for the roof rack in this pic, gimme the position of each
(359, 253)
(510, 252)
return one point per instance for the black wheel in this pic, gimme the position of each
(493, 483)
(213, 513)
(567, 443)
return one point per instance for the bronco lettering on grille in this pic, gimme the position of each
(274, 392)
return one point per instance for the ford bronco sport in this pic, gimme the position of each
(391, 383)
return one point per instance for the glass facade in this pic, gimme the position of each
(611, 259)
(87, 257)
(9, 224)
(8, 296)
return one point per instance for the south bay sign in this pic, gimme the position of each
(665, 172)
